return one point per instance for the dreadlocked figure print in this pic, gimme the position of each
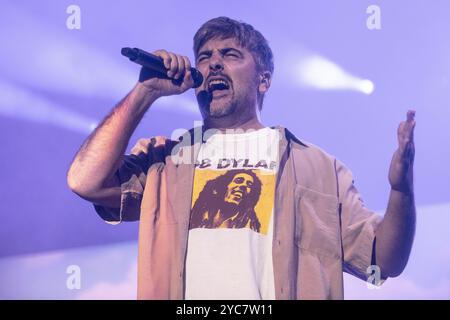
(228, 201)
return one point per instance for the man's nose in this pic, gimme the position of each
(244, 188)
(215, 63)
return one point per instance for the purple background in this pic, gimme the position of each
(56, 83)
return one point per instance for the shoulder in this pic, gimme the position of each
(317, 169)
(307, 151)
(313, 167)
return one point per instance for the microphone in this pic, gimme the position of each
(156, 63)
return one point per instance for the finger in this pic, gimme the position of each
(401, 130)
(173, 65)
(167, 59)
(141, 146)
(187, 63)
(410, 151)
(181, 68)
(406, 135)
(188, 75)
(410, 115)
(412, 126)
(159, 141)
(403, 136)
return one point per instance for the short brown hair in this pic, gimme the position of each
(247, 37)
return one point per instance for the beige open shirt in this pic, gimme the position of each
(321, 227)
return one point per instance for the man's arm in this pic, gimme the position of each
(92, 172)
(394, 236)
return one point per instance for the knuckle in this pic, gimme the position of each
(187, 62)
(143, 142)
(174, 62)
(141, 146)
(160, 53)
(160, 140)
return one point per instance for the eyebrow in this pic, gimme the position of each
(223, 51)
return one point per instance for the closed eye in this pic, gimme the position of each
(231, 52)
(201, 58)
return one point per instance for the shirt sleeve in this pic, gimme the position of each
(132, 176)
(358, 225)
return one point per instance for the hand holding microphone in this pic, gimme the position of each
(164, 72)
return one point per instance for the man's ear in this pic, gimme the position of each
(265, 79)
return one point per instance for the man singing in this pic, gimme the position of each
(234, 209)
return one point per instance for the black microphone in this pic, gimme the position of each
(156, 63)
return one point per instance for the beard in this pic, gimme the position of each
(216, 108)
(224, 106)
(229, 210)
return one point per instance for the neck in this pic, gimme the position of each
(244, 122)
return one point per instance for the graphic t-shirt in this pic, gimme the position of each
(229, 253)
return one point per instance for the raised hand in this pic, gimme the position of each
(178, 80)
(401, 169)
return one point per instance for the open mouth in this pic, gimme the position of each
(218, 86)
(238, 194)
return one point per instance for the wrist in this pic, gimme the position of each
(146, 94)
(405, 190)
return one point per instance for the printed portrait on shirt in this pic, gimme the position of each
(232, 199)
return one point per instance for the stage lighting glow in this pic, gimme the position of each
(317, 72)
(67, 65)
(367, 86)
(21, 104)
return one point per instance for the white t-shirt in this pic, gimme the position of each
(229, 253)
